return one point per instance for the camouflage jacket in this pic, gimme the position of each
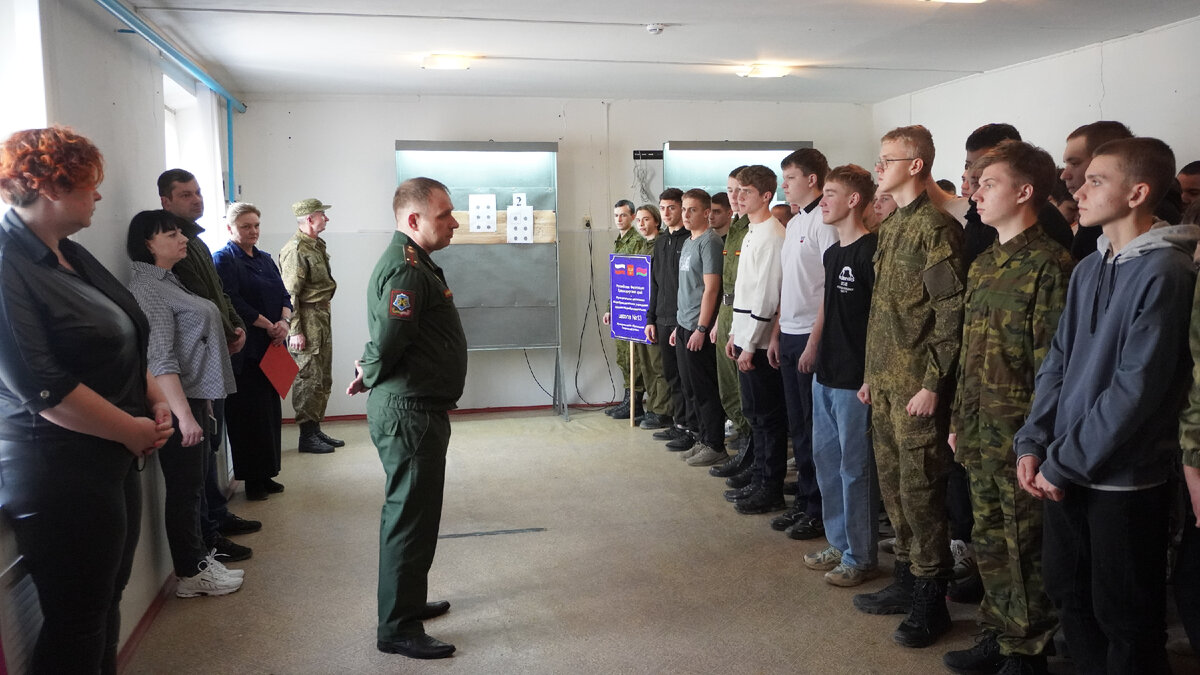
(304, 265)
(1189, 421)
(644, 247)
(916, 305)
(733, 249)
(628, 243)
(1015, 293)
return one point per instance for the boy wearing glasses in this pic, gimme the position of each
(913, 338)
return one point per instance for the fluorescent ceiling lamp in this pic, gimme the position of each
(958, 2)
(446, 62)
(762, 70)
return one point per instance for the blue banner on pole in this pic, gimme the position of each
(629, 288)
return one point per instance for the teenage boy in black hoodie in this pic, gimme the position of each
(1102, 436)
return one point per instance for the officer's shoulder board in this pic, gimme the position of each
(410, 256)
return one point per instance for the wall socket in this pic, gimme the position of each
(587, 222)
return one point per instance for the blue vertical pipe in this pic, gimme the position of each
(230, 194)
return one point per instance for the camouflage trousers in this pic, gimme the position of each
(648, 361)
(1008, 547)
(310, 391)
(730, 386)
(623, 364)
(913, 460)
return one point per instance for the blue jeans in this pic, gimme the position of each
(846, 472)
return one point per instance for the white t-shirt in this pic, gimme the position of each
(803, 270)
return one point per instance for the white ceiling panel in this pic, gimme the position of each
(859, 51)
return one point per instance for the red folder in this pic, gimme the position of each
(280, 369)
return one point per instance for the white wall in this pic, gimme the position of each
(1145, 81)
(341, 150)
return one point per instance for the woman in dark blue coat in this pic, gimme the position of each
(253, 414)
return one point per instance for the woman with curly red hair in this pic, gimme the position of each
(77, 406)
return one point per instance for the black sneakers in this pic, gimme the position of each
(226, 551)
(235, 525)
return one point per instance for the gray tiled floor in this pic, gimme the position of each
(641, 568)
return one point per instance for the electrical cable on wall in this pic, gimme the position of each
(592, 305)
(534, 375)
(643, 174)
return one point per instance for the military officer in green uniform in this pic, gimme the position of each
(628, 242)
(913, 339)
(1016, 291)
(306, 274)
(415, 366)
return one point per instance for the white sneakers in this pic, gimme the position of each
(213, 579)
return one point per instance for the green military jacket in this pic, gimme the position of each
(417, 349)
(917, 302)
(1015, 293)
(197, 274)
(629, 242)
(304, 266)
(645, 246)
(1189, 421)
(731, 254)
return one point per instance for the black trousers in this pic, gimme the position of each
(797, 389)
(214, 507)
(1104, 560)
(75, 508)
(958, 503)
(670, 369)
(765, 410)
(253, 416)
(183, 478)
(1187, 576)
(698, 375)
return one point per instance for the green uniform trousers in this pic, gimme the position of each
(639, 384)
(648, 361)
(728, 384)
(310, 391)
(913, 459)
(1008, 548)
(412, 447)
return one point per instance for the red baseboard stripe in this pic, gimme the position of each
(143, 626)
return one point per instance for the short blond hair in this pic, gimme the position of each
(238, 209)
(919, 142)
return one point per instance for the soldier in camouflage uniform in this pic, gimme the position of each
(305, 270)
(727, 372)
(1016, 291)
(912, 346)
(648, 357)
(628, 242)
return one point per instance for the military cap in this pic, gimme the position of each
(307, 206)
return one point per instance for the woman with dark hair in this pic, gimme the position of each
(189, 361)
(253, 414)
(78, 409)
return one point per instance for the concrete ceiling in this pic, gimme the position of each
(858, 51)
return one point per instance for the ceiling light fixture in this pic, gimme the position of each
(446, 62)
(958, 2)
(762, 70)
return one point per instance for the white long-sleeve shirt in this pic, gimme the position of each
(756, 291)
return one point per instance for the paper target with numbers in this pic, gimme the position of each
(483, 212)
(520, 225)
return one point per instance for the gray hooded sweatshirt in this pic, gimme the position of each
(1108, 395)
